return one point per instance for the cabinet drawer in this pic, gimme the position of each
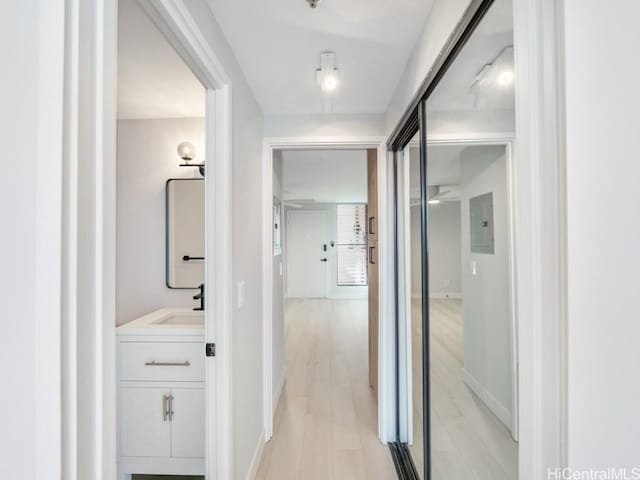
(162, 361)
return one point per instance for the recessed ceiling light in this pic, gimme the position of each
(313, 3)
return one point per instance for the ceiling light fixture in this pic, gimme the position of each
(313, 3)
(327, 74)
(498, 72)
(327, 78)
(505, 78)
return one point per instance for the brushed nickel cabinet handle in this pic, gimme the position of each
(171, 408)
(165, 407)
(168, 364)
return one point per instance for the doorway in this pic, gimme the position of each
(169, 180)
(324, 333)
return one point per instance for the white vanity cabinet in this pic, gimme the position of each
(161, 394)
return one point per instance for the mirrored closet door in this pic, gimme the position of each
(457, 341)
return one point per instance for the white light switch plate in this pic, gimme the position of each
(242, 293)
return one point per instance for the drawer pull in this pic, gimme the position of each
(165, 407)
(168, 364)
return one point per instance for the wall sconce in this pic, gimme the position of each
(187, 152)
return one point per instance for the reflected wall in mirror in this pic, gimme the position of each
(185, 232)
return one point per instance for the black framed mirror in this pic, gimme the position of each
(185, 234)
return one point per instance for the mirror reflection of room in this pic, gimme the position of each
(472, 338)
(456, 215)
(160, 275)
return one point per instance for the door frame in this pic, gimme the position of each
(386, 368)
(88, 241)
(181, 30)
(291, 213)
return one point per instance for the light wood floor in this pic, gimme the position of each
(326, 422)
(468, 440)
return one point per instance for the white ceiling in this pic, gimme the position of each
(153, 81)
(278, 45)
(324, 175)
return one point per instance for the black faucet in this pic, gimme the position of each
(200, 297)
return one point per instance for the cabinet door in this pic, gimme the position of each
(187, 423)
(144, 431)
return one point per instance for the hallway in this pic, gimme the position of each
(326, 420)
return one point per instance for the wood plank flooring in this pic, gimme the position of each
(326, 420)
(468, 440)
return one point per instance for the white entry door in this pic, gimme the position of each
(307, 255)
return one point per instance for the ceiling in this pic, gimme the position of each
(278, 45)
(324, 176)
(153, 81)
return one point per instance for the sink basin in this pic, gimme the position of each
(195, 318)
(166, 321)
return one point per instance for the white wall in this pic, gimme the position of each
(445, 260)
(442, 19)
(19, 52)
(486, 313)
(318, 126)
(471, 123)
(246, 150)
(147, 158)
(602, 101)
(445, 267)
(278, 285)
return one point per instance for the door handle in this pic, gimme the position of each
(323, 259)
(371, 255)
(371, 220)
(165, 407)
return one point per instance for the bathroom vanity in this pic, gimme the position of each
(161, 394)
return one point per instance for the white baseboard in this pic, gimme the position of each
(452, 295)
(499, 410)
(257, 457)
(278, 393)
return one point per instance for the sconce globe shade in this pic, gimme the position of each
(186, 151)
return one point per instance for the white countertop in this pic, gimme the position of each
(166, 321)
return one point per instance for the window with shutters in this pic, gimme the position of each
(351, 244)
